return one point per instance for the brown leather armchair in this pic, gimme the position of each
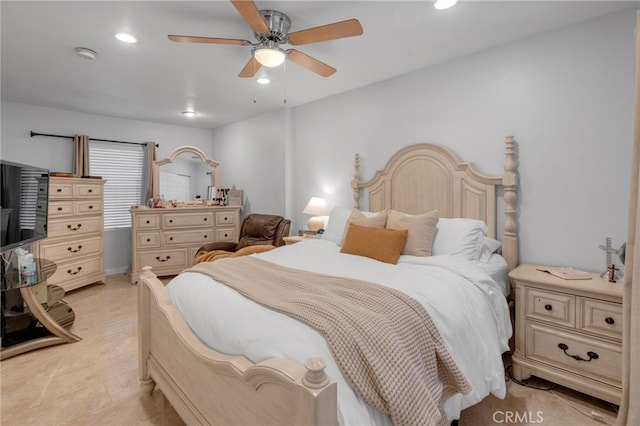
(256, 229)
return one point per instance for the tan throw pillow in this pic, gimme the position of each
(381, 244)
(421, 229)
(377, 221)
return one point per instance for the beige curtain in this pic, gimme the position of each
(81, 155)
(630, 407)
(148, 184)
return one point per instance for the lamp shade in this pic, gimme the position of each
(316, 206)
(269, 56)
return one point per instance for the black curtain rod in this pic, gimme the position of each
(93, 139)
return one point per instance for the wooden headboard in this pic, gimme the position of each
(424, 177)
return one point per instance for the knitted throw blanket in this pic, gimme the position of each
(383, 341)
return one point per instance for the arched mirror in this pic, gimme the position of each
(186, 175)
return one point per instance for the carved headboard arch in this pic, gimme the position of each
(424, 177)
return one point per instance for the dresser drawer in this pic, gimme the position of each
(88, 190)
(558, 308)
(75, 226)
(199, 236)
(544, 345)
(76, 271)
(88, 207)
(148, 221)
(226, 234)
(72, 249)
(60, 208)
(159, 259)
(225, 218)
(148, 239)
(604, 318)
(60, 190)
(179, 220)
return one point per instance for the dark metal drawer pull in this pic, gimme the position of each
(74, 250)
(163, 260)
(74, 229)
(59, 209)
(591, 355)
(609, 320)
(548, 307)
(76, 272)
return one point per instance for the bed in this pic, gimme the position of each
(268, 368)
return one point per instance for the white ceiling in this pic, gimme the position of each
(157, 79)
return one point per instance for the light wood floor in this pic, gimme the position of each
(95, 381)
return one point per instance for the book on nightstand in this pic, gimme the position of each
(567, 273)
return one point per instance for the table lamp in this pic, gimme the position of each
(317, 207)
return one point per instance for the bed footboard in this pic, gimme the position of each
(207, 387)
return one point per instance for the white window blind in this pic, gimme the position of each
(121, 165)
(29, 197)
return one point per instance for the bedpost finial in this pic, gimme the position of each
(315, 377)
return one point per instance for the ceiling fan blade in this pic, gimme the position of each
(251, 15)
(310, 63)
(349, 28)
(250, 69)
(210, 40)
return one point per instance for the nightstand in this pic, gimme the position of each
(569, 331)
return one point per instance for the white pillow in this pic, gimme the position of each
(488, 247)
(336, 224)
(460, 237)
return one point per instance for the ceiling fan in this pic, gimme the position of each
(271, 30)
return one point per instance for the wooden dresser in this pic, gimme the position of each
(569, 331)
(168, 239)
(75, 240)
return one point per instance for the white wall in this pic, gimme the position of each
(56, 154)
(252, 154)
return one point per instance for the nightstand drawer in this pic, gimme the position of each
(159, 259)
(558, 308)
(225, 218)
(602, 317)
(558, 349)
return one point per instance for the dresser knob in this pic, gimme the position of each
(59, 190)
(148, 240)
(91, 206)
(148, 221)
(163, 260)
(70, 227)
(72, 250)
(59, 209)
(205, 219)
(170, 220)
(548, 307)
(609, 320)
(90, 190)
(170, 238)
(205, 237)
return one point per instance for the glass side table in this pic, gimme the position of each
(34, 315)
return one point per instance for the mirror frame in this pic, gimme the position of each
(216, 175)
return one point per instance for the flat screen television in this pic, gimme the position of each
(24, 196)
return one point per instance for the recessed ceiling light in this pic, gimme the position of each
(85, 53)
(444, 4)
(263, 80)
(126, 38)
(189, 114)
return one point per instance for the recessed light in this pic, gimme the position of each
(126, 38)
(189, 114)
(444, 4)
(263, 80)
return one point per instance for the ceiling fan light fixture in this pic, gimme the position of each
(269, 56)
(189, 114)
(444, 4)
(126, 38)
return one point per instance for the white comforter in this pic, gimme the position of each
(465, 303)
